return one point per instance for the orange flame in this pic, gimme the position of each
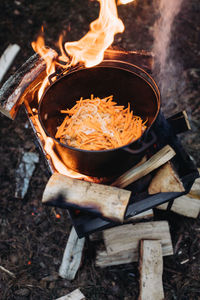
(89, 49)
(124, 1)
(48, 55)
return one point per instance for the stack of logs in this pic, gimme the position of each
(142, 239)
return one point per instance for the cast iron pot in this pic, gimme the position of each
(128, 83)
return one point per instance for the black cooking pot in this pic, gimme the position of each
(127, 83)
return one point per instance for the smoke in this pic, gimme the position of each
(167, 68)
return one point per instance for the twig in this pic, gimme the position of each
(7, 271)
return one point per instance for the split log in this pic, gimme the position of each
(151, 269)
(122, 242)
(72, 256)
(75, 295)
(22, 84)
(166, 180)
(186, 205)
(157, 160)
(7, 59)
(110, 202)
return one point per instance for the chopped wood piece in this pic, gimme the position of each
(7, 58)
(180, 122)
(187, 205)
(75, 295)
(165, 180)
(151, 269)
(110, 202)
(24, 81)
(72, 256)
(122, 242)
(157, 160)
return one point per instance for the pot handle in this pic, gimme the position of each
(144, 145)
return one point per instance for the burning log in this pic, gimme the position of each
(122, 242)
(22, 84)
(110, 201)
(186, 205)
(151, 269)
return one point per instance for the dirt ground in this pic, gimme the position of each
(32, 238)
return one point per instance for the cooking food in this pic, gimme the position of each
(99, 124)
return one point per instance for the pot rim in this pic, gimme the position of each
(117, 64)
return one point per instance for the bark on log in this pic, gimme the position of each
(151, 269)
(29, 76)
(110, 202)
(122, 242)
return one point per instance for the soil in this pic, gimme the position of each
(33, 237)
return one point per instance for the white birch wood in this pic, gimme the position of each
(72, 256)
(75, 295)
(7, 58)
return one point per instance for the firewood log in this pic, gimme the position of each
(110, 201)
(122, 242)
(165, 180)
(186, 205)
(151, 269)
(29, 76)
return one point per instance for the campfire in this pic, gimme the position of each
(101, 189)
(86, 67)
